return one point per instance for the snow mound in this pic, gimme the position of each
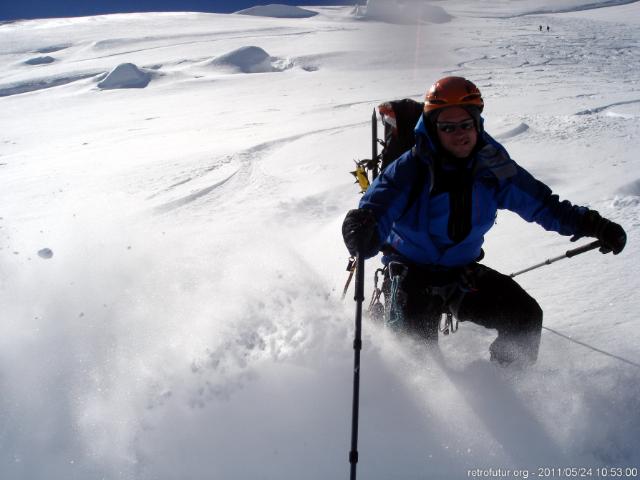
(125, 75)
(628, 195)
(402, 12)
(625, 202)
(277, 10)
(249, 60)
(40, 60)
(632, 189)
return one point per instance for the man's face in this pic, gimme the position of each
(457, 131)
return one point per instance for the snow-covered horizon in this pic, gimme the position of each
(172, 190)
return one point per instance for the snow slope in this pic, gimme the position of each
(171, 262)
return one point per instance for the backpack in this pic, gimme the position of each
(399, 118)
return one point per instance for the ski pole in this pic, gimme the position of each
(357, 346)
(567, 254)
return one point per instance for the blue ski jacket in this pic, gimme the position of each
(416, 225)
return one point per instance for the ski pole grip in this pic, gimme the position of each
(584, 248)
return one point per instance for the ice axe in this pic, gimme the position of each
(567, 254)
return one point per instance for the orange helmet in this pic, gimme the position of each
(452, 91)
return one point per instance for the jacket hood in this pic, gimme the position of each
(422, 136)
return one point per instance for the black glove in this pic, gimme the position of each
(611, 235)
(359, 232)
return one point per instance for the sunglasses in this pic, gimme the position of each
(450, 127)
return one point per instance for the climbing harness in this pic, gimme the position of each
(392, 315)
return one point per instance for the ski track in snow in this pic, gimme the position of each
(244, 163)
(52, 49)
(591, 111)
(190, 314)
(257, 35)
(42, 84)
(514, 132)
(167, 207)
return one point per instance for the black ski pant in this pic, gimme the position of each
(475, 294)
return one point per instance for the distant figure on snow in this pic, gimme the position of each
(548, 28)
(428, 213)
(540, 27)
